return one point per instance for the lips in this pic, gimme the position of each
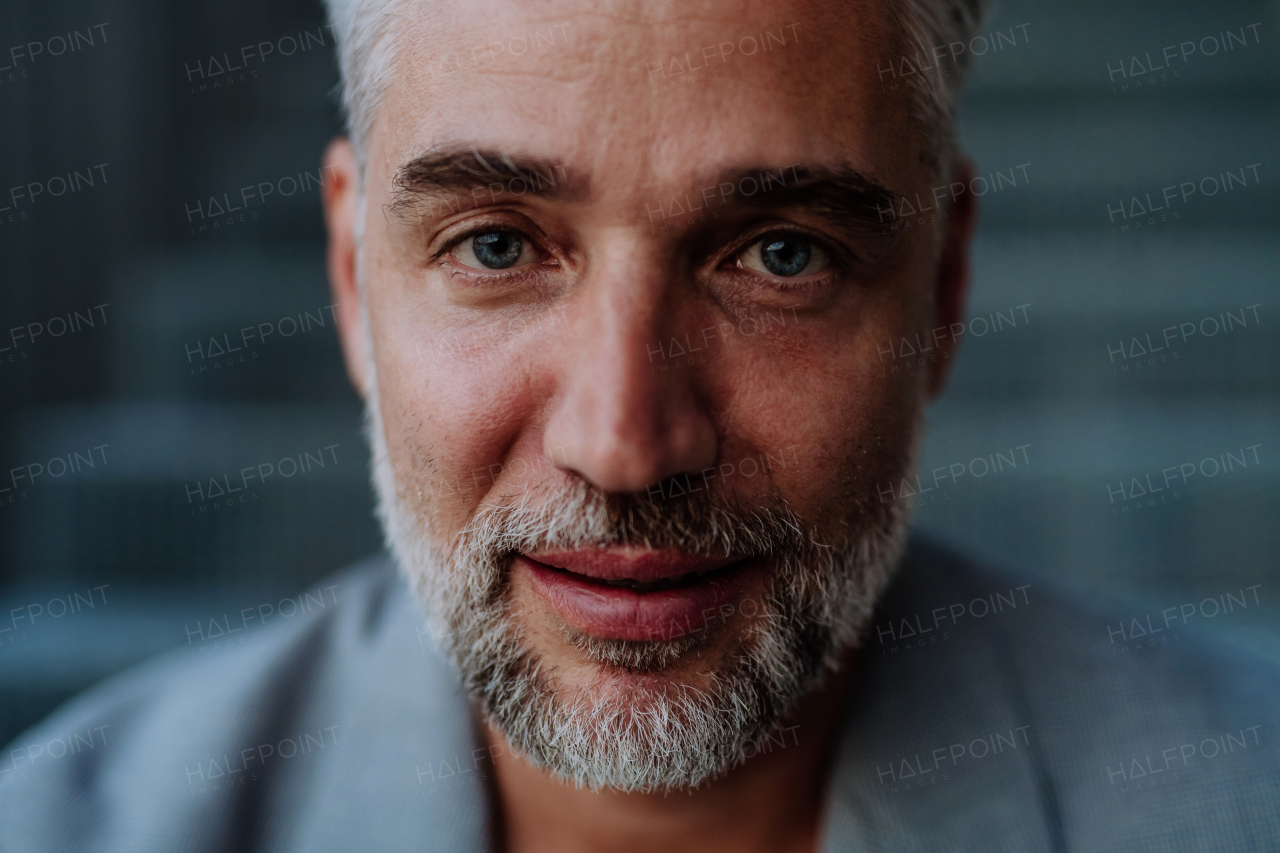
(651, 586)
(635, 594)
(641, 565)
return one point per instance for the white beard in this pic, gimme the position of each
(633, 729)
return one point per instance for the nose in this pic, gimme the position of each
(620, 420)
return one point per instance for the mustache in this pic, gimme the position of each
(576, 514)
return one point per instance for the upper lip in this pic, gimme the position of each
(636, 564)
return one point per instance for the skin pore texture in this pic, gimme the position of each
(556, 380)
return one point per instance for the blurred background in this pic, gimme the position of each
(131, 261)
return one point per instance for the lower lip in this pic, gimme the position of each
(616, 613)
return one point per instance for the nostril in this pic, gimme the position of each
(617, 428)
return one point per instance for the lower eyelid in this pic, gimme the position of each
(523, 271)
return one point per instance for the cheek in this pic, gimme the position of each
(451, 423)
(821, 416)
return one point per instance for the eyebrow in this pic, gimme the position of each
(460, 178)
(843, 195)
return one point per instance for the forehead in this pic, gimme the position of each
(632, 97)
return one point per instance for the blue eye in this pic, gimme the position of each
(494, 250)
(497, 250)
(784, 255)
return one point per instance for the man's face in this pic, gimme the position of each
(628, 277)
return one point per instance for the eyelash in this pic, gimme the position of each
(440, 259)
(728, 265)
(731, 257)
(474, 231)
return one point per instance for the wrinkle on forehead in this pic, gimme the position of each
(588, 100)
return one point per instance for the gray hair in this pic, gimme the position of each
(367, 51)
(923, 27)
(366, 60)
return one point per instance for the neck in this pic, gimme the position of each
(773, 801)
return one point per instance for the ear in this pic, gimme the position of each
(951, 292)
(340, 191)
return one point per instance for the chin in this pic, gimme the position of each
(628, 645)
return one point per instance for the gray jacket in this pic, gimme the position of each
(992, 716)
